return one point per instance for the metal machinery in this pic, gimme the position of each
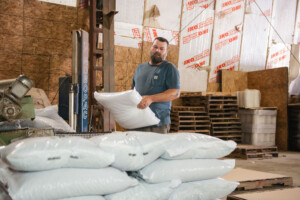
(75, 96)
(102, 14)
(13, 103)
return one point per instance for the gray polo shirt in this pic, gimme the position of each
(153, 79)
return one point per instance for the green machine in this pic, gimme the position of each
(14, 104)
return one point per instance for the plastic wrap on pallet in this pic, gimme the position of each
(128, 35)
(130, 11)
(255, 43)
(226, 36)
(84, 198)
(279, 56)
(195, 42)
(297, 27)
(163, 15)
(248, 98)
(151, 33)
(284, 20)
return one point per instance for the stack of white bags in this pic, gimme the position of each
(161, 166)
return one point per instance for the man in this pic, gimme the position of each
(158, 83)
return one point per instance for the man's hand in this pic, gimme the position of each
(145, 102)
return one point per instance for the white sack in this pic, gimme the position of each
(145, 191)
(133, 150)
(204, 190)
(48, 117)
(67, 182)
(85, 198)
(185, 170)
(43, 153)
(195, 145)
(123, 106)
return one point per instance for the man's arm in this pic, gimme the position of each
(165, 96)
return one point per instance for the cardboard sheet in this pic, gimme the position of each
(193, 80)
(130, 11)
(255, 35)
(289, 193)
(226, 36)
(279, 56)
(163, 14)
(243, 175)
(284, 21)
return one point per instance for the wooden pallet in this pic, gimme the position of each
(187, 108)
(197, 94)
(251, 151)
(252, 179)
(286, 193)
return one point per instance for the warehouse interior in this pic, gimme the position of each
(66, 74)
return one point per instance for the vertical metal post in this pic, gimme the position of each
(109, 7)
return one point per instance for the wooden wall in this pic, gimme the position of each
(35, 40)
(273, 86)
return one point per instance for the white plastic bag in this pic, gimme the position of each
(67, 182)
(204, 190)
(145, 191)
(185, 170)
(195, 145)
(123, 106)
(132, 150)
(43, 153)
(85, 198)
(48, 117)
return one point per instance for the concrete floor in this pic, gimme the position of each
(287, 163)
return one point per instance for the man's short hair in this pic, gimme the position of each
(162, 39)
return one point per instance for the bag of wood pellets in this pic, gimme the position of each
(67, 183)
(195, 145)
(146, 191)
(185, 170)
(44, 153)
(133, 150)
(204, 190)
(123, 106)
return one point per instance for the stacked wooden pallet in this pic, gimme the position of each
(250, 151)
(223, 112)
(190, 119)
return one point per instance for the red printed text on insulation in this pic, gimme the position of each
(223, 43)
(207, 22)
(136, 33)
(227, 11)
(229, 3)
(197, 57)
(201, 3)
(227, 63)
(190, 37)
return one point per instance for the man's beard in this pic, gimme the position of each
(156, 59)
